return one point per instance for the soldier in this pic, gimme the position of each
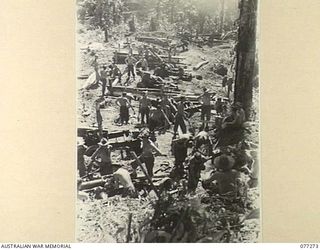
(179, 118)
(196, 164)
(106, 33)
(166, 106)
(124, 105)
(225, 179)
(122, 176)
(206, 107)
(103, 79)
(144, 108)
(236, 119)
(144, 63)
(102, 157)
(130, 61)
(115, 73)
(147, 156)
(180, 152)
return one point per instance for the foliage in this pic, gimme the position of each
(193, 16)
(199, 218)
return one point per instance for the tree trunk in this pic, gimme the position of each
(202, 20)
(172, 10)
(246, 50)
(158, 9)
(222, 17)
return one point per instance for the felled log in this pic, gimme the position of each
(155, 177)
(156, 55)
(141, 90)
(83, 77)
(92, 184)
(188, 97)
(119, 58)
(101, 182)
(152, 92)
(199, 65)
(83, 132)
(155, 40)
(159, 34)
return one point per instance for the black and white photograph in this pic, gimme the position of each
(168, 133)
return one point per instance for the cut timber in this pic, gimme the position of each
(83, 132)
(120, 57)
(199, 65)
(158, 34)
(92, 184)
(115, 82)
(83, 77)
(176, 95)
(156, 55)
(155, 40)
(141, 90)
(155, 177)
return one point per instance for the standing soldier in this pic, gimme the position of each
(144, 108)
(179, 118)
(166, 106)
(94, 63)
(180, 152)
(147, 156)
(102, 157)
(206, 108)
(106, 33)
(103, 79)
(124, 105)
(196, 164)
(100, 102)
(99, 119)
(104, 153)
(130, 61)
(218, 106)
(229, 86)
(115, 73)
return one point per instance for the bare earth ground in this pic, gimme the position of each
(106, 220)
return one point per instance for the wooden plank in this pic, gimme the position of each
(199, 65)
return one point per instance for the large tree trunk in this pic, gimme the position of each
(246, 51)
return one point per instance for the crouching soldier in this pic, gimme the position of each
(122, 176)
(225, 180)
